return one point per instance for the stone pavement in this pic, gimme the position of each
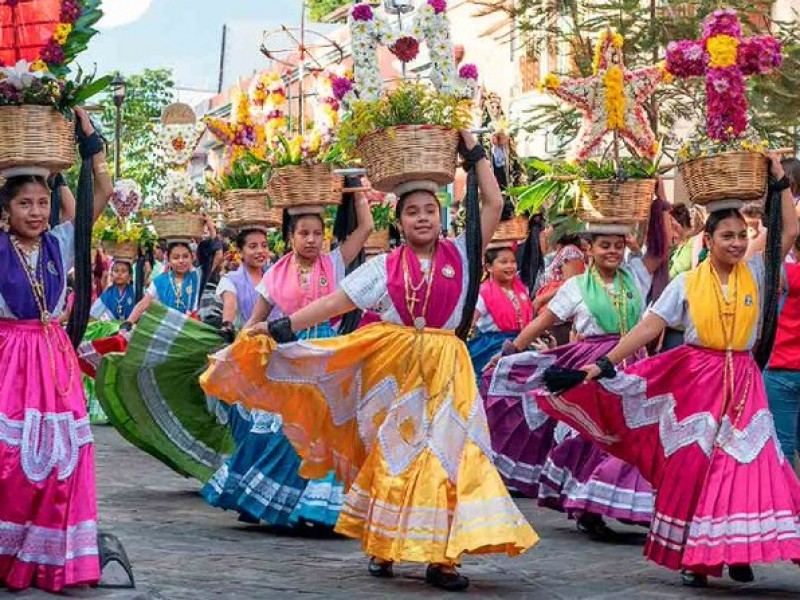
(182, 549)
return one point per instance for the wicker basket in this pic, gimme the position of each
(249, 207)
(35, 136)
(122, 250)
(378, 240)
(512, 230)
(178, 113)
(733, 175)
(616, 201)
(180, 226)
(305, 185)
(409, 153)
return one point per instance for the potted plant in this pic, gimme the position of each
(121, 239)
(179, 211)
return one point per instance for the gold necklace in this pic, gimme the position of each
(618, 296)
(35, 277)
(177, 291)
(411, 290)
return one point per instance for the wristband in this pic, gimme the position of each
(781, 184)
(607, 369)
(126, 326)
(471, 157)
(91, 145)
(58, 181)
(281, 330)
(509, 348)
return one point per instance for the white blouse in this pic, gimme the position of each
(673, 305)
(339, 269)
(65, 235)
(367, 287)
(484, 323)
(568, 303)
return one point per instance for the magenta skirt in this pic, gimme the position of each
(48, 513)
(726, 493)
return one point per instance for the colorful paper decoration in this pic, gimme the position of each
(724, 58)
(611, 100)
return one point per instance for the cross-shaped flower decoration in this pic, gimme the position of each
(611, 100)
(725, 58)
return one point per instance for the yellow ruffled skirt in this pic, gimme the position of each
(396, 414)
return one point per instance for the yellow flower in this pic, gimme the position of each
(722, 50)
(615, 98)
(62, 33)
(666, 75)
(39, 65)
(551, 81)
(606, 37)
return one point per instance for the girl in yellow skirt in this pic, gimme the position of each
(393, 408)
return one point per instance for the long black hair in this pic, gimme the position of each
(346, 223)
(84, 219)
(474, 245)
(206, 250)
(772, 278)
(529, 255)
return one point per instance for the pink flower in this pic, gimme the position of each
(362, 12)
(686, 58)
(726, 106)
(722, 22)
(759, 55)
(70, 11)
(52, 53)
(406, 48)
(9, 93)
(468, 71)
(332, 102)
(341, 86)
(438, 6)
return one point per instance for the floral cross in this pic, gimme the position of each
(724, 58)
(611, 100)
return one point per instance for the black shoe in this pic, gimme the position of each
(594, 526)
(741, 573)
(695, 580)
(451, 581)
(378, 568)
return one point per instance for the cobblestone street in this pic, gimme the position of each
(182, 549)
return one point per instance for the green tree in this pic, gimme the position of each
(546, 26)
(318, 9)
(148, 93)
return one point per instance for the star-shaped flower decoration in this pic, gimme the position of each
(611, 100)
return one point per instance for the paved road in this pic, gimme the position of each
(183, 549)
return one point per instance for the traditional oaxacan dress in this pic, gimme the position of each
(48, 514)
(695, 421)
(261, 479)
(541, 458)
(502, 315)
(113, 305)
(394, 410)
(150, 393)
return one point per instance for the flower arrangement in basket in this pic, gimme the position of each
(36, 99)
(726, 162)
(382, 208)
(409, 133)
(612, 192)
(121, 239)
(179, 213)
(178, 134)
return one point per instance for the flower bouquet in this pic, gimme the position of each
(409, 133)
(121, 239)
(179, 213)
(382, 216)
(727, 160)
(36, 100)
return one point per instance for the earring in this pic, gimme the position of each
(4, 224)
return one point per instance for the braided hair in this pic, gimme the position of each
(84, 219)
(474, 245)
(346, 223)
(773, 261)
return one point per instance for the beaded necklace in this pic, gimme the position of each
(618, 297)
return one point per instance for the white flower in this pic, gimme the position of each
(21, 76)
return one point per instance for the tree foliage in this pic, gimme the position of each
(148, 93)
(551, 26)
(318, 9)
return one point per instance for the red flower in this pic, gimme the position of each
(406, 49)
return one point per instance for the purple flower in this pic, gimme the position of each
(686, 58)
(361, 12)
(52, 53)
(438, 6)
(759, 55)
(70, 11)
(722, 22)
(9, 94)
(341, 86)
(468, 71)
(726, 106)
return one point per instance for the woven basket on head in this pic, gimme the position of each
(179, 226)
(35, 136)
(409, 153)
(733, 175)
(122, 250)
(510, 231)
(305, 185)
(378, 240)
(249, 207)
(615, 202)
(178, 113)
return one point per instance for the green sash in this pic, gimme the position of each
(602, 307)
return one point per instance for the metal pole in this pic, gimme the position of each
(117, 144)
(301, 70)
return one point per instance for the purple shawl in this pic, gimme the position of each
(447, 284)
(246, 294)
(14, 284)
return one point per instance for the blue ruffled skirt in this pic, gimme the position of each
(484, 347)
(260, 480)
